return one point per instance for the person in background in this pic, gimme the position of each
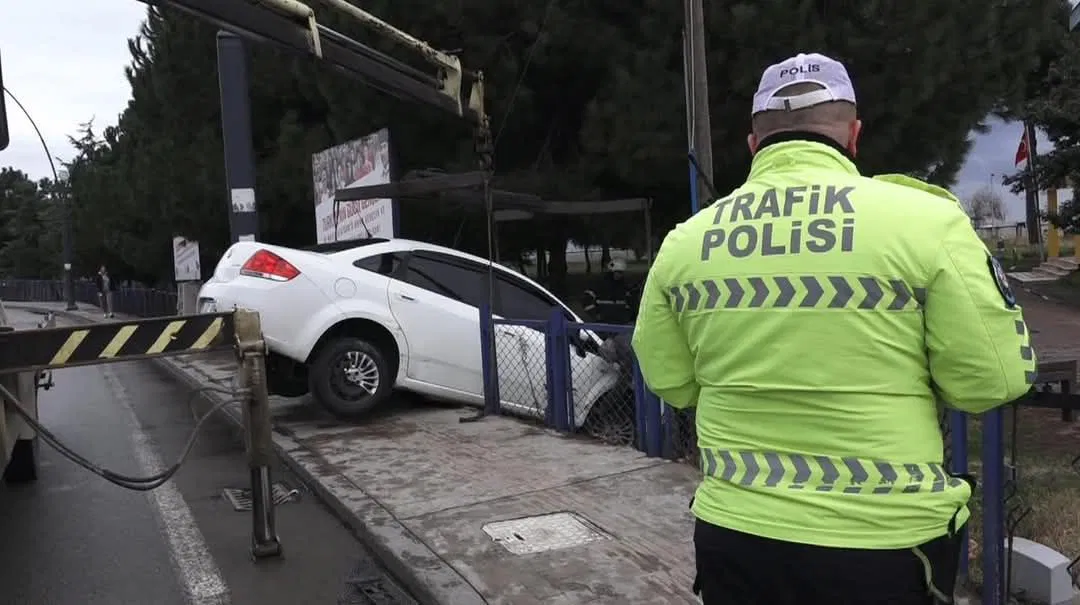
(814, 318)
(105, 288)
(610, 301)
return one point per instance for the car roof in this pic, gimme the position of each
(408, 245)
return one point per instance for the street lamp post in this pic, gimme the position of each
(68, 239)
(65, 206)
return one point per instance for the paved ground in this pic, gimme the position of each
(428, 492)
(434, 494)
(74, 538)
(1055, 326)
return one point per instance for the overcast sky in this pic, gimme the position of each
(64, 60)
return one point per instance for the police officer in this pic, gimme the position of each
(610, 302)
(814, 317)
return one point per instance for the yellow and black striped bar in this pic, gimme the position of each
(115, 341)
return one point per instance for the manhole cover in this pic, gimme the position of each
(368, 584)
(374, 592)
(542, 533)
(240, 497)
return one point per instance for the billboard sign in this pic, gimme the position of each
(364, 161)
(186, 260)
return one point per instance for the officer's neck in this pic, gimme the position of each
(804, 135)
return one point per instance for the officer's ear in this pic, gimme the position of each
(752, 143)
(854, 130)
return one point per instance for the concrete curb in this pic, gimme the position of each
(425, 574)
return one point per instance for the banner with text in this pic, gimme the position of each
(186, 259)
(364, 161)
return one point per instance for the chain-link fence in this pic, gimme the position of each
(521, 360)
(576, 377)
(140, 302)
(680, 435)
(603, 393)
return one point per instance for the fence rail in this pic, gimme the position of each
(139, 302)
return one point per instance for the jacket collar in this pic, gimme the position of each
(790, 150)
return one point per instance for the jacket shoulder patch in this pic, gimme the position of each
(1001, 280)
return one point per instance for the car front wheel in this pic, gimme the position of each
(350, 377)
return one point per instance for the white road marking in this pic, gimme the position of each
(196, 569)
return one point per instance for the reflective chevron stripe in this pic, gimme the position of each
(803, 292)
(1026, 352)
(824, 474)
(114, 341)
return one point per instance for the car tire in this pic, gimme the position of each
(23, 466)
(350, 397)
(611, 419)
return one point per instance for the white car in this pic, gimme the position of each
(349, 326)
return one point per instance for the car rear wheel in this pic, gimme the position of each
(350, 377)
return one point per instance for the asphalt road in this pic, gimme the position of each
(72, 537)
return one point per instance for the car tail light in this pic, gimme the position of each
(267, 265)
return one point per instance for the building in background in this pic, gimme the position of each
(361, 162)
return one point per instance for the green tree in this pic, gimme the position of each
(1052, 105)
(26, 249)
(586, 102)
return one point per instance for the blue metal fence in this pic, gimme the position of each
(663, 431)
(638, 409)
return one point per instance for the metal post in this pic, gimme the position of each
(654, 425)
(560, 395)
(641, 403)
(958, 432)
(258, 433)
(993, 546)
(648, 232)
(236, 134)
(697, 94)
(1031, 188)
(68, 239)
(489, 366)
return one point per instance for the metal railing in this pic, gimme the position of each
(135, 301)
(575, 377)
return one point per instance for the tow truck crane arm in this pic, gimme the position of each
(293, 25)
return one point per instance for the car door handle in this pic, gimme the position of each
(406, 297)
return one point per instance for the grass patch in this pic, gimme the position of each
(1046, 482)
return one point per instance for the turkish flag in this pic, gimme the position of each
(1022, 150)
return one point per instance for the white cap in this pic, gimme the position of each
(818, 69)
(616, 265)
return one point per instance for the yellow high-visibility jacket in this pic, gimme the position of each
(815, 317)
